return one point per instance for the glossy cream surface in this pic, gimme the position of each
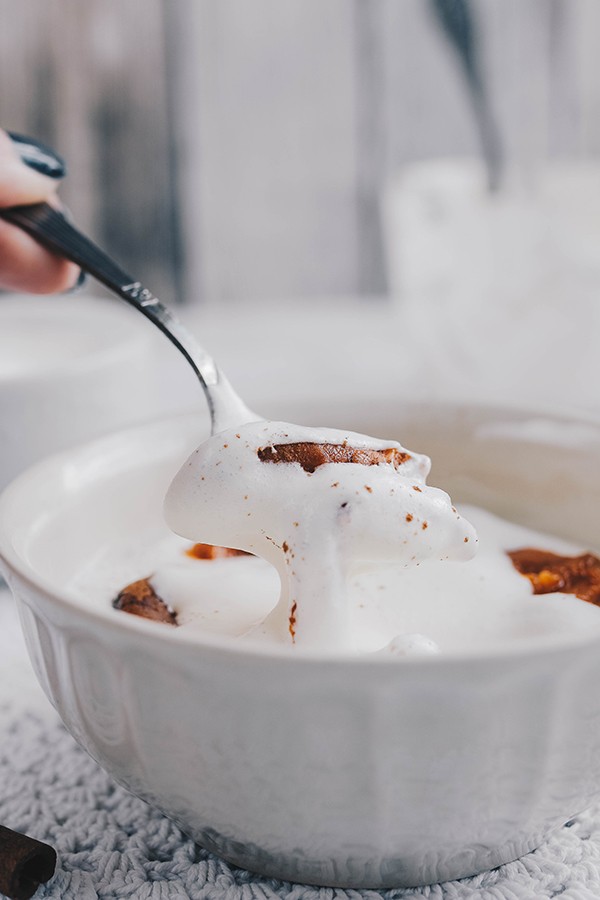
(395, 611)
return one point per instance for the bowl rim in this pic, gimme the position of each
(157, 633)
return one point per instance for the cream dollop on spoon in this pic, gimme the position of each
(322, 505)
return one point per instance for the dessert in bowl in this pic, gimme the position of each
(348, 765)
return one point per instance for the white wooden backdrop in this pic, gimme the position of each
(232, 149)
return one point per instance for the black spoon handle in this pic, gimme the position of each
(51, 229)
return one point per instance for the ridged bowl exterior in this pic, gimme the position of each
(350, 775)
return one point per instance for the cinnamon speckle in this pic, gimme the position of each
(417, 488)
(425, 525)
(292, 621)
(285, 546)
(335, 484)
(466, 540)
(409, 517)
(368, 489)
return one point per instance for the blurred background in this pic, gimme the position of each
(429, 166)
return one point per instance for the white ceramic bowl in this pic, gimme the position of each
(350, 772)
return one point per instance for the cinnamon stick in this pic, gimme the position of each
(24, 864)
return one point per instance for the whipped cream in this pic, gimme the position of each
(464, 606)
(320, 529)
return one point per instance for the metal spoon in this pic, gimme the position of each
(50, 228)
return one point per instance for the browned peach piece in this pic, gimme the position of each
(210, 551)
(140, 599)
(550, 573)
(311, 455)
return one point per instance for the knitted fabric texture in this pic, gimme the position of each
(112, 845)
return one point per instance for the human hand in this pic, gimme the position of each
(24, 264)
